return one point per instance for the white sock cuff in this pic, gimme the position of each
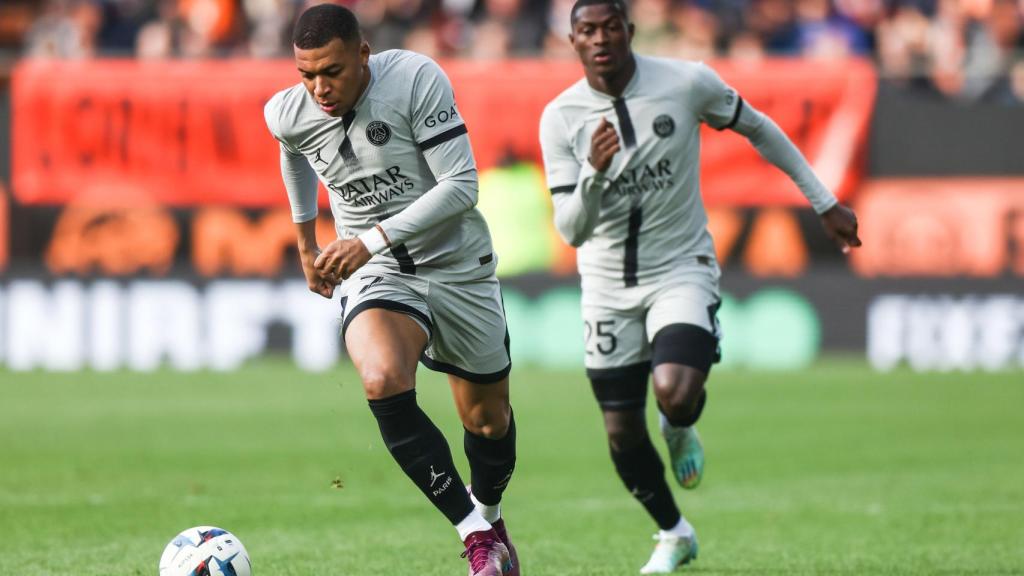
(682, 529)
(490, 513)
(473, 523)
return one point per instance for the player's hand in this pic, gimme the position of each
(341, 258)
(316, 282)
(841, 226)
(603, 146)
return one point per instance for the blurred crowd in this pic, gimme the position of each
(967, 49)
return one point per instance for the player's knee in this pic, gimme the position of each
(488, 421)
(682, 357)
(383, 382)
(678, 388)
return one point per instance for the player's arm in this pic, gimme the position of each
(301, 185)
(445, 147)
(723, 108)
(575, 190)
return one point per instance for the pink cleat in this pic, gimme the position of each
(512, 567)
(487, 555)
(513, 558)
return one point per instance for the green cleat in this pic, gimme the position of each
(685, 452)
(671, 552)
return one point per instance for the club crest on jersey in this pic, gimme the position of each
(378, 133)
(664, 126)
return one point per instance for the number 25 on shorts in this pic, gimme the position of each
(600, 333)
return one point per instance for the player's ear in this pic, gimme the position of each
(632, 31)
(364, 52)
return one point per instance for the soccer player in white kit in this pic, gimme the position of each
(413, 256)
(622, 156)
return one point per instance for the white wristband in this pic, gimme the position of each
(374, 240)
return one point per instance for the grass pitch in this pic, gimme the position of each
(834, 470)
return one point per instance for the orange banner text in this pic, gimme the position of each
(192, 133)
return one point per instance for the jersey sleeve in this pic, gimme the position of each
(576, 189)
(272, 115)
(561, 167)
(774, 146)
(437, 126)
(718, 104)
(299, 178)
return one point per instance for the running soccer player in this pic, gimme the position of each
(413, 256)
(621, 152)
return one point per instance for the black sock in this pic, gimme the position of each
(491, 463)
(690, 419)
(642, 472)
(422, 452)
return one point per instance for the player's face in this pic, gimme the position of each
(601, 37)
(334, 74)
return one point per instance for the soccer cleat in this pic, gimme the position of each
(486, 554)
(671, 552)
(512, 569)
(513, 559)
(685, 453)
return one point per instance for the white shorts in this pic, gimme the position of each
(464, 322)
(619, 323)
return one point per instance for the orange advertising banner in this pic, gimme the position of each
(942, 228)
(192, 133)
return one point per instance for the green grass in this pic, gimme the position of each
(834, 470)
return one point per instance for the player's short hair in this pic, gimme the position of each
(317, 26)
(618, 6)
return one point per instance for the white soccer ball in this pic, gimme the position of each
(205, 551)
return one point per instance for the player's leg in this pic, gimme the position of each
(471, 345)
(490, 443)
(489, 439)
(385, 346)
(618, 366)
(684, 347)
(622, 393)
(679, 389)
(386, 329)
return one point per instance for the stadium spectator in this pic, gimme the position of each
(655, 32)
(960, 49)
(697, 33)
(65, 29)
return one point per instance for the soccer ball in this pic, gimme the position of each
(205, 551)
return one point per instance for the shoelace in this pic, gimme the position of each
(477, 552)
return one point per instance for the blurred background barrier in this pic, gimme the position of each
(143, 222)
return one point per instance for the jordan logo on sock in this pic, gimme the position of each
(641, 495)
(444, 485)
(503, 483)
(434, 477)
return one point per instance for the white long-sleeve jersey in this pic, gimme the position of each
(644, 217)
(400, 158)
